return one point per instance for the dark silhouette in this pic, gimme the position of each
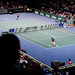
(10, 45)
(10, 63)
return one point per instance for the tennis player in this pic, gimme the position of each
(52, 42)
(17, 16)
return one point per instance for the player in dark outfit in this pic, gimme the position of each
(17, 16)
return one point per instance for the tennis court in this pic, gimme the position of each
(37, 43)
(42, 38)
(21, 23)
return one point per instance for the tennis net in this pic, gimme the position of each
(33, 28)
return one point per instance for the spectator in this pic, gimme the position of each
(10, 45)
(69, 62)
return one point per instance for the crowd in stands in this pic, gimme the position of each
(29, 66)
(7, 4)
(63, 8)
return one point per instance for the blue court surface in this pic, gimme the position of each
(44, 55)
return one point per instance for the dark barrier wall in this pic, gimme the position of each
(50, 15)
(11, 10)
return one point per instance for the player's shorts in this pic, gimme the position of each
(53, 42)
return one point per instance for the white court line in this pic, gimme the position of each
(60, 36)
(68, 35)
(30, 38)
(60, 30)
(29, 41)
(73, 33)
(34, 39)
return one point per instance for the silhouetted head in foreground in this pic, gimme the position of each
(10, 45)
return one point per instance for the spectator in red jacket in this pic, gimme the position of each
(69, 62)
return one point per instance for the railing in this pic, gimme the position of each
(63, 69)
